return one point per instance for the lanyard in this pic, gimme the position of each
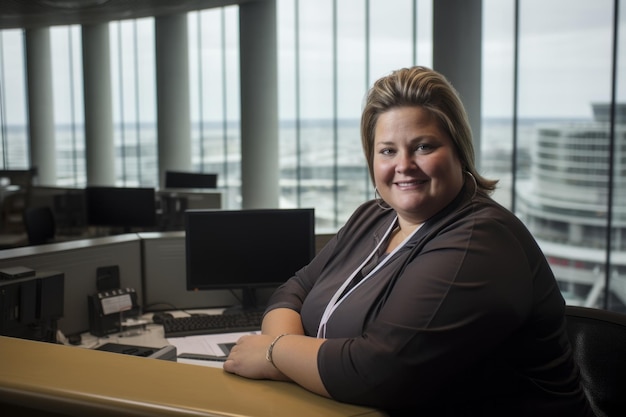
(336, 299)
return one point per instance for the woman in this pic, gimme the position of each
(432, 299)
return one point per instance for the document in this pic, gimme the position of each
(215, 347)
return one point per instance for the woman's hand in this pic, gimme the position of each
(247, 358)
(294, 356)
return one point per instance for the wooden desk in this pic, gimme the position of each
(55, 380)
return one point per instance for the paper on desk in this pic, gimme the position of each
(205, 344)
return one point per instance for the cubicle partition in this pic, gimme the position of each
(151, 263)
(78, 260)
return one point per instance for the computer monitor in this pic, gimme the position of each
(247, 249)
(178, 179)
(123, 207)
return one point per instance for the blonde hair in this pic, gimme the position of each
(423, 87)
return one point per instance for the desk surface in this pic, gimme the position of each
(79, 382)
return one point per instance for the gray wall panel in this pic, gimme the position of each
(78, 260)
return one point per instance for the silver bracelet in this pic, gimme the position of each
(270, 349)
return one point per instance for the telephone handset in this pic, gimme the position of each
(106, 305)
(105, 308)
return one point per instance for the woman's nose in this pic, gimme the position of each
(404, 161)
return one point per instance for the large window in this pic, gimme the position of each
(553, 113)
(13, 105)
(214, 84)
(550, 85)
(134, 102)
(69, 120)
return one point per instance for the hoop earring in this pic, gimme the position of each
(379, 200)
(475, 184)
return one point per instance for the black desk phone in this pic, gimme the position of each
(105, 307)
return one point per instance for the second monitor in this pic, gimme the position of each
(181, 179)
(124, 207)
(247, 249)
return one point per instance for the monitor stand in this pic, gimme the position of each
(248, 302)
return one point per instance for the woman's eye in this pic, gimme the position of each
(423, 147)
(386, 151)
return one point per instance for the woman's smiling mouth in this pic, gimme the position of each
(408, 184)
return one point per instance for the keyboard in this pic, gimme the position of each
(244, 321)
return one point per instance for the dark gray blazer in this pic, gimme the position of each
(466, 319)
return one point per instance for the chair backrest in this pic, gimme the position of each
(598, 338)
(40, 225)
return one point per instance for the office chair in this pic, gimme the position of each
(598, 338)
(40, 225)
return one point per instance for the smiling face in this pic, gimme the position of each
(416, 168)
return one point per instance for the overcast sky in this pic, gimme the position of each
(564, 57)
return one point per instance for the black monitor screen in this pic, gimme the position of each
(176, 179)
(247, 249)
(122, 207)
